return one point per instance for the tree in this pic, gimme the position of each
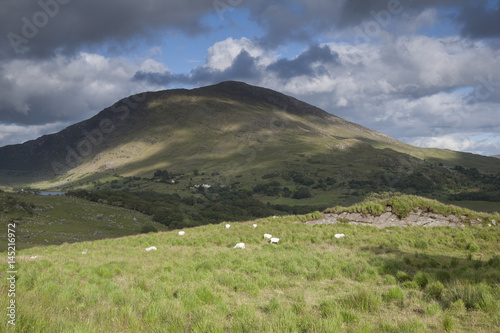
(302, 193)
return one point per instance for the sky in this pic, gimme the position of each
(425, 72)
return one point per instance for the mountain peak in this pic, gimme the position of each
(248, 93)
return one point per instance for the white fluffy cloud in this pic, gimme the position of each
(66, 89)
(15, 134)
(221, 55)
(426, 91)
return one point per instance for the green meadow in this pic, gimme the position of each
(373, 280)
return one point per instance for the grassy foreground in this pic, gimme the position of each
(373, 280)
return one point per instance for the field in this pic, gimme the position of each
(373, 280)
(51, 220)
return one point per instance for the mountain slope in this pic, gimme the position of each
(226, 130)
(310, 282)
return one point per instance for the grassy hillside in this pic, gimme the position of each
(59, 219)
(373, 280)
(402, 205)
(230, 132)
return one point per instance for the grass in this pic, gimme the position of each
(403, 205)
(373, 280)
(59, 219)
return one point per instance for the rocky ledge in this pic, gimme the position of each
(389, 219)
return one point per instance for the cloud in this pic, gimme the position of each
(15, 134)
(485, 144)
(64, 89)
(304, 63)
(480, 21)
(41, 29)
(241, 60)
(47, 27)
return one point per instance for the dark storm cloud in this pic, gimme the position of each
(480, 22)
(245, 68)
(40, 28)
(45, 27)
(302, 65)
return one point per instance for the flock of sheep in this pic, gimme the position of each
(273, 240)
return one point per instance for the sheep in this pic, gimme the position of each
(255, 225)
(84, 252)
(267, 236)
(33, 257)
(182, 233)
(239, 246)
(228, 226)
(274, 240)
(339, 235)
(151, 248)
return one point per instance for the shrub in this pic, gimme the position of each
(148, 228)
(432, 309)
(474, 296)
(421, 279)
(448, 324)
(472, 247)
(435, 290)
(395, 294)
(402, 276)
(302, 193)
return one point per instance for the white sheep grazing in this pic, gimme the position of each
(182, 233)
(255, 225)
(151, 248)
(84, 252)
(33, 257)
(239, 246)
(267, 236)
(274, 240)
(339, 235)
(228, 226)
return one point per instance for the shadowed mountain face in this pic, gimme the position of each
(227, 129)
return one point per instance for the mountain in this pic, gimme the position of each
(228, 133)
(496, 156)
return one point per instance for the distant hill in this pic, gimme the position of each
(496, 156)
(227, 134)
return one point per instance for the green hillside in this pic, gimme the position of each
(373, 280)
(46, 220)
(226, 131)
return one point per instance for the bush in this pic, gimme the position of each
(302, 193)
(474, 296)
(472, 247)
(148, 228)
(448, 324)
(402, 276)
(432, 309)
(435, 290)
(395, 294)
(421, 279)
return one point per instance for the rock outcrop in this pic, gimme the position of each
(389, 219)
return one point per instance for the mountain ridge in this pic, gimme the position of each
(231, 128)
